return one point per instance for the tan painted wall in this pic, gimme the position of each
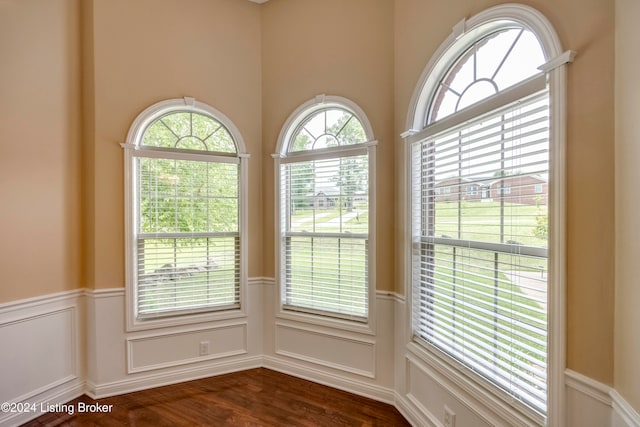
(146, 51)
(39, 151)
(257, 64)
(627, 319)
(587, 27)
(335, 47)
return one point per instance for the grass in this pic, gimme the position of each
(328, 274)
(355, 220)
(473, 304)
(481, 221)
(186, 273)
(479, 312)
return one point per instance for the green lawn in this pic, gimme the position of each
(482, 221)
(328, 274)
(318, 279)
(334, 220)
(186, 273)
(477, 296)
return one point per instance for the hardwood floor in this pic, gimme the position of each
(256, 397)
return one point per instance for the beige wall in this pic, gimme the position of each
(256, 64)
(332, 47)
(587, 27)
(40, 220)
(146, 51)
(627, 319)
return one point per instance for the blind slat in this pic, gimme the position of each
(188, 241)
(325, 234)
(479, 214)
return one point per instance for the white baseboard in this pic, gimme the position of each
(54, 325)
(174, 376)
(321, 376)
(59, 394)
(415, 414)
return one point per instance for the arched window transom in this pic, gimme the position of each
(190, 131)
(495, 62)
(331, 127)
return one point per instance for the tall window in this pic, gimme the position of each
(325, 212)
(185, 200)
(480, 265)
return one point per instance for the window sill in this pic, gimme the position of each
(134, 325)
(360, 327)
(465, 382)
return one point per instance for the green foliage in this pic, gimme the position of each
(353, 177)
(541, 230)
(187, 196)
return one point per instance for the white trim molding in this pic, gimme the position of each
(282, 156)
(464, 34)
(133, 148)
(82, 319)
(588, 403)
(624, 415)
(589, 387)
(330, 379)
(50, 325)
(319, 102)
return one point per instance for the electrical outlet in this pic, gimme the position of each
(449, 417)
(204, 348)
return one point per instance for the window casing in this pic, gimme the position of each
(325, 212)
(483, 282)
(185, 215)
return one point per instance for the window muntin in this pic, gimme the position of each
(325, 216)
(190, 131)
(331, 127)
(480, 263)
(187, 234)
(495, 62)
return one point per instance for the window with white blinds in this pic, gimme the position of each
(479, 196)
(324, 216)
(186, 232)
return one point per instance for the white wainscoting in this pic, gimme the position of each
(330, 349)
(57, 347)
(423, 389)
(121, 362)
(588, 401)
(344, 358)
(148, 353)
(41, 356)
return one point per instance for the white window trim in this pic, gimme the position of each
(309, 107)
(464, 34)
(134, 136)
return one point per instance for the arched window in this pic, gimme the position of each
(483, 285)
(325, 211)
(184, 229)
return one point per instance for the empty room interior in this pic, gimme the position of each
(430, 204)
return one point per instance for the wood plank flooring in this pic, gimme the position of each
(252, 398)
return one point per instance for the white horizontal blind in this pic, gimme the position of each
(188, 242)
(479, 209)
(325, 235)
